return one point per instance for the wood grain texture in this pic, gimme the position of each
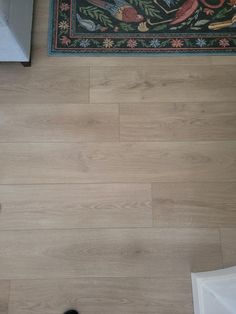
(178, 118)
(228, 236)
(61, 84)
(75, 206)
(58, 123)
(156, 83)
(178, 121)
(194, 204)
(102, 295)
(107, 253)
(117, 162)
(4, 296)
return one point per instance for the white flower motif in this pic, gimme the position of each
(201, 42)
(108, 43)
(155, 43)
(84, 43)
(64, 25)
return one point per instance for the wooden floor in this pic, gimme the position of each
(117, 179)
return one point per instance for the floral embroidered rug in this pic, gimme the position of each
(142, 27)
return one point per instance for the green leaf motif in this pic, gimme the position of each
(126, 27)
(152, 12)
(160, 27)
(201, 22)
(213, 42)
(120, 43)
(96, 42)
(188, 43)
(63, 32)
(62, 15)
(195, 28)
(144, 43)
(97, 14)
(147, 7)
(222, 13)
(164, 43)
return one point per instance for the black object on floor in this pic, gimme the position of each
(71, 312)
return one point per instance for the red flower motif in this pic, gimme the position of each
(65, 41)
(64, 7)
(177, 43)
(209, 11)
(232, 3)
(224, 42)
(132, 43)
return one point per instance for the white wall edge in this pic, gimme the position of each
(205, 286)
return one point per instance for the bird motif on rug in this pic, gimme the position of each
(89, 25)
(120, 10)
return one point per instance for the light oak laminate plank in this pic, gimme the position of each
(59, 84)
(58, 123)
(4, 296)
(117, 162)
(133, 252)
(75, 206)
(228, 239)
(178, 121)
(194, 204)
(158, 83)
(102, 295)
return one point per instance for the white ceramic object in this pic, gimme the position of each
(214, 292)
(15, 30)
